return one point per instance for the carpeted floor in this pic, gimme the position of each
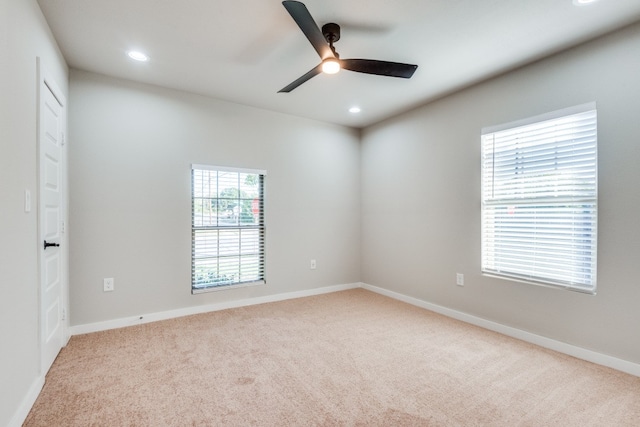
(351, 358)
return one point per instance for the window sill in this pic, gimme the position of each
(540, 283)
(226, 287)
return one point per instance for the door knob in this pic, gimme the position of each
(47, 244)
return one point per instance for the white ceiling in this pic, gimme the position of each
(244, 51)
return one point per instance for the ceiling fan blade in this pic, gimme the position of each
(311, 73)
(379, 68)
(301, 15)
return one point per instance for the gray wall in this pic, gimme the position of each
(397, 206)
(131, 149)
(24, 35)
(421, 198)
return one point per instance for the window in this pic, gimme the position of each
(539, 199)
(227, 228)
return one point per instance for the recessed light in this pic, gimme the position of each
(354, 110)
(138, 56)
(583, 2)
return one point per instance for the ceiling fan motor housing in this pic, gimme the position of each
(331, 32)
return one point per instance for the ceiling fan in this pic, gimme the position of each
(322, 42)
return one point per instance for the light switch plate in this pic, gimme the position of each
(27, 201)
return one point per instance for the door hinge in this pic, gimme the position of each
(61, 227)
(64, 314)
(62, 142)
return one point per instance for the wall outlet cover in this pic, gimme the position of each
(108, 284)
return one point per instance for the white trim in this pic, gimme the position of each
(576, 109)
(561, 347)
(188, 311)
(227, 169)
(27, 403)
(220, 288)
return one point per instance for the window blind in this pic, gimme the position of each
(539, 200)
(228, 231)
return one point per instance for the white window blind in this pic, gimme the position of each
(228, 230)
(539, 199)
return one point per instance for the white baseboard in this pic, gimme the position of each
(188, 311)
(559, 346)
(571, 350)
(27, 403)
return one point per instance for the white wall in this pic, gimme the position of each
(421, 198)
(24, 35)
(130, 156)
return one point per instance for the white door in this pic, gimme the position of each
(51, 216)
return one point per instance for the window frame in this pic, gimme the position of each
(260, 226)
(536, 204)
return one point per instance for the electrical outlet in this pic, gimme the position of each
(313, 264)
(459, 279)
(108, 284)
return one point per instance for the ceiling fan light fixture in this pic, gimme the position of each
(323, 40)
(330, 66)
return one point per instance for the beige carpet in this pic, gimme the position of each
(350, 358)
